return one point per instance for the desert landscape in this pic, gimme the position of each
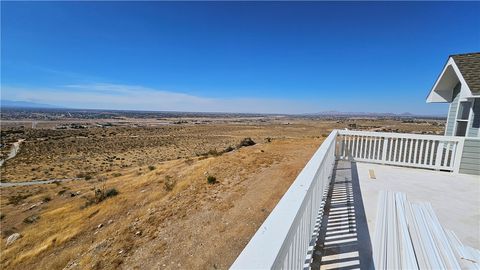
(156, 190)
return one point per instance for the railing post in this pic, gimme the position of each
(438, 158)
(457, 160)
(384, 150)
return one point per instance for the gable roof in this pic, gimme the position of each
(459, 68)
(469, 66)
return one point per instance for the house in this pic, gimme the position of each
(459, 85)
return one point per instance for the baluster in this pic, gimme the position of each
(375, 141)
(410, 151)
(400, 151)
(395, 150)
(415, 156)
(384, 149)
(432, 152)
(361, 147)
(356, 146)
(446, 158)
(453, 154)
(349, 146)
(405, 151)
(420, 158)
(421, 151)
(427, 151)
(439, 157)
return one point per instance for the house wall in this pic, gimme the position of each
(474, 128)
(470, 162)
(452, 111)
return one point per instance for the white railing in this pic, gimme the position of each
(413, 150)
(282, 240)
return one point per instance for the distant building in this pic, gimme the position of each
(459, 85)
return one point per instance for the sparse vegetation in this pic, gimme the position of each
(31, 219)
(163, 206)
(151, 167)
(18, 198)
(229, 149)
(169, 183)
(246, 142)
(111, 192)
(46, 199)
(211, 179)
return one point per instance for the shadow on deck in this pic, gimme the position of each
(344, 239)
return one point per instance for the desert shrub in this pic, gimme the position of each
(169, 183)
(151, 167)
(16, 199)
(2, 216)
(80, 175)
(214, 153)
(116, 174)
(228, 149)
(268, 139)
(111, 192)
(246, 142)
(46, 199)
(211, 179)
(31, 219)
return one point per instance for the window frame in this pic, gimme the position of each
(468, 120)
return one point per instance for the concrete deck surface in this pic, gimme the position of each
(454, 197)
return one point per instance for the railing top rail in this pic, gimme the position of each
(264, 247)
(401, 135)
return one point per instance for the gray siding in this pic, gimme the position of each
(452, 112)
(475, 123)
(470, 163)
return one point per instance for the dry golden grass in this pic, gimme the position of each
(166, 217)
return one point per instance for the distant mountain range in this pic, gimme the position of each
(5, 103)
(338, 113)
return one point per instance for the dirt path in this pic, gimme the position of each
(35, 182)
(13, 151)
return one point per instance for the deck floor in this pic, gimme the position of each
(344, 241)
(350, 211)
(454, 198)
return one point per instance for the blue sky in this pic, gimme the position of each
(277, 57)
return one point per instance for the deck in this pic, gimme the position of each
(348, 223)
(327, 217)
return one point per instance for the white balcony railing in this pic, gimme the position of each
(412, 150)
(283, 239)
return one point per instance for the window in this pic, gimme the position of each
(476, 114)
(462, 118)
(461, 128)
(464, 110)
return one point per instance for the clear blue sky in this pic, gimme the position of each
(285, 57)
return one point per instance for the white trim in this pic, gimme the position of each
(434, 97)
(457, 160)
(470, 113)
(448, 119)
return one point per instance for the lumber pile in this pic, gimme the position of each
(410, 236)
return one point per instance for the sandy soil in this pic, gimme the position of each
(195, 225)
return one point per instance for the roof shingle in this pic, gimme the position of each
(469, 66)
